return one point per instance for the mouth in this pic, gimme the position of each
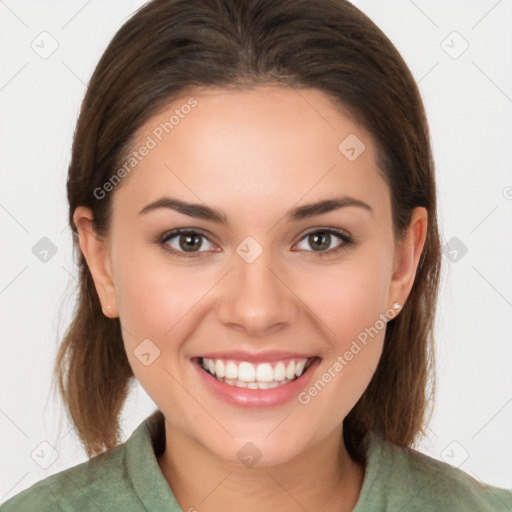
(263, 375)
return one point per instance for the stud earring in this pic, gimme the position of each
(396, 305)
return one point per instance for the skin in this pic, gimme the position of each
(254, 154)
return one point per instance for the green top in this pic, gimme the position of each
(129, 479)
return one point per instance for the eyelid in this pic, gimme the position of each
(180, 231)
(316, 229)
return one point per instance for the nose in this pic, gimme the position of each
(257, 297)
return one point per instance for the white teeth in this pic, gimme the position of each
(253, 385)
(264, 373)
(290, 370)
(246, 372)
(260, 376)
(299, 367)
(220, 370)
(234, 382)
(279, 371)
(231, 370)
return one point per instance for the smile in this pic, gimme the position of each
(265, 375)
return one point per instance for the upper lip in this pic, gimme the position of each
(256, 357)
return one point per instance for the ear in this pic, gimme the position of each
(407, 256)
(96, 252)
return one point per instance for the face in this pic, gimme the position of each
(263, 286)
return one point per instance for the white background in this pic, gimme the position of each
(469, 107)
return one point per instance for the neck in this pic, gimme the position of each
(324, 477)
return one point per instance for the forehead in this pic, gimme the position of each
(255, 148)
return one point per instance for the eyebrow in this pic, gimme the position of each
(201, 211)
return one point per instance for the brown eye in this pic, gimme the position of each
(319, 241)
(185, 243)
(190, 242)
(323, 241)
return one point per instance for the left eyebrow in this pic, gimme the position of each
(299, 213)
(311, 210)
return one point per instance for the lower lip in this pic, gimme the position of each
(245, 397)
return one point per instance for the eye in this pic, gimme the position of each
(185, 242)
(321, 241)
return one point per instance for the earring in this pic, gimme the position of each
(395, 305)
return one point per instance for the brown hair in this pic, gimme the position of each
(169, 47)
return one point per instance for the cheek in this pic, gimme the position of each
(350, 297)
(155, 302)
(152, 293)
(162, 302)
(350, 300)
(148, 304)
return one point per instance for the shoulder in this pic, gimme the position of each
(94, 482)
(126, 478)
(404, 478)
(37, 498)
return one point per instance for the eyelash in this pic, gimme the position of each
(162, 241)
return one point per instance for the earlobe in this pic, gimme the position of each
(95, 251)
(407, 256)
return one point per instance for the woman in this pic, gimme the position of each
(253, 197)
